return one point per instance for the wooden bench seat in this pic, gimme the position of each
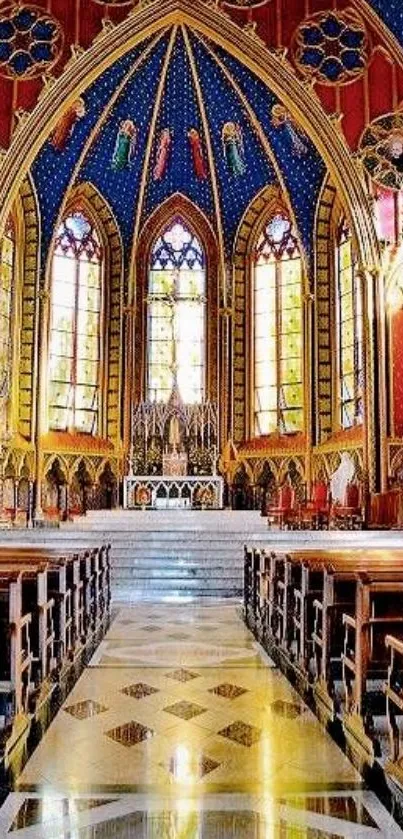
(51, 607)
(327, 615)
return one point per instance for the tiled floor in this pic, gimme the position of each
(188, 732)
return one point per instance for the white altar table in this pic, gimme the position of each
(158, 492)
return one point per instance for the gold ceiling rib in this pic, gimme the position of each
(95, 132)
(210, 155)
(146, 164)
(264, 142)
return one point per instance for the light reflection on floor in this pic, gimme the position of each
(190, 734)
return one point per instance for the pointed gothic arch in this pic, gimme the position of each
(177, 207)
(88, 199)
(265, 206)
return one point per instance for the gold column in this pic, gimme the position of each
(129, 313)
(41, 352)
(375, 453)
(225, 355)
(309, 390)
(225, 374)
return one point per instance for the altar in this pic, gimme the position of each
(173, 458)
(145, 492)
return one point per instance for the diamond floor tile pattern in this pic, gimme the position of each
(139, 690)
(228, 691)
(185, 710)
(242, 733)
(130, 733)
(84, 710)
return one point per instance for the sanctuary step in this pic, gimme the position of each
(169, 554)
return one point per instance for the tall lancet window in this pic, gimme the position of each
(349, 333)
(278, 330)
(74, 360)
(176, 316)
(7, 267)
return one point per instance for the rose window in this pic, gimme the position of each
(30, 41)
(331, 47)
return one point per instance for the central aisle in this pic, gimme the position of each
(180, 728)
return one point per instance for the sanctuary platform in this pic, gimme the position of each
(185, 553)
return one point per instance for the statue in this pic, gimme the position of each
(343, 475)
(174, 434)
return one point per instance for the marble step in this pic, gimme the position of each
(137, 574)
(164, 561)
(127, 556)
(126, 593)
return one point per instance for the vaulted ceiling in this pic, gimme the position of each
(180, 80)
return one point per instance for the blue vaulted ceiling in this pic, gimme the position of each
(178, 81)
(391, 12)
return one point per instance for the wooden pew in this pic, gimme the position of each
(326, 617)
(393, 688)
(69, 599)
(16, 659)
(81, 580)
(53, 609)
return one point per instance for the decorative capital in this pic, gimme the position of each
(44, 295)
(367, 272)
(47, 83)
(21, 117)
(250, 29)
(107, 27)
(226, 311)
(76, 51)
(281, 53)
(130, 309)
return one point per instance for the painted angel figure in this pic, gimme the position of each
(125, 145)
(66, 124)
(231, 136)
(196, 148)
(281, 118)
(163, 153)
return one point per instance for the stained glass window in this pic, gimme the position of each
(75, 326)
(278, 344)
(349, 333)
(176, 316)
(7, 260)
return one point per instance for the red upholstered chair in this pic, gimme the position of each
(315, 512)
(386, 509)
(283, 511)
(348, 514)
